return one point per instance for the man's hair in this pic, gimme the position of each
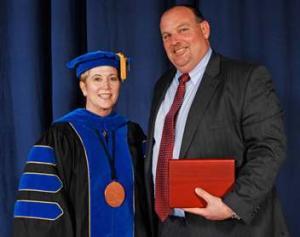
(197, 13)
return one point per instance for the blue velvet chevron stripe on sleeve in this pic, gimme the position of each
(42, 154)
(37, 210)
(40, 182)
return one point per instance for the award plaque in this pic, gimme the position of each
(214, 175)
(114, 194)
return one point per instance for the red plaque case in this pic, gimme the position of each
(216, 176)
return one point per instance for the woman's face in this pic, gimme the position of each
(101, 89)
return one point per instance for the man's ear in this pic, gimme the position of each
(205, 28)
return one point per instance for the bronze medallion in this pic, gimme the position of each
(114, 194)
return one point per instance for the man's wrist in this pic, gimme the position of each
(235, 216)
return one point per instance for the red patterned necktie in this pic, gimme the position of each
(166, 152)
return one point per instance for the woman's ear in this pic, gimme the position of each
(82, 86)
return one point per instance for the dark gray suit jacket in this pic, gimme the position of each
(234, 113)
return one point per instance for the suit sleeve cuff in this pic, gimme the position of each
(245, 210)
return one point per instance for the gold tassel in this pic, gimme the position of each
(123, 66)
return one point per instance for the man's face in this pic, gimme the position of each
(185, 39)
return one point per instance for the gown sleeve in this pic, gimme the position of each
(43, 206)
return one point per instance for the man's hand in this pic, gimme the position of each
(215, 210)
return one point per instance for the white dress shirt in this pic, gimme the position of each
(191, 88)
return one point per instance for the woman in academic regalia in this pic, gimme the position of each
(84, 177)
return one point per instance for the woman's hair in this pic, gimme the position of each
(84, 76)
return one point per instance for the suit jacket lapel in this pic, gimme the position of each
(201, 101)
(159, 96)
(162, 90)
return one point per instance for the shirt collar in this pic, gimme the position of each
(199, 69)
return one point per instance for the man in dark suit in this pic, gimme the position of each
(212, 106)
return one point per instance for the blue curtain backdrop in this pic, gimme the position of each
(38, 37)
